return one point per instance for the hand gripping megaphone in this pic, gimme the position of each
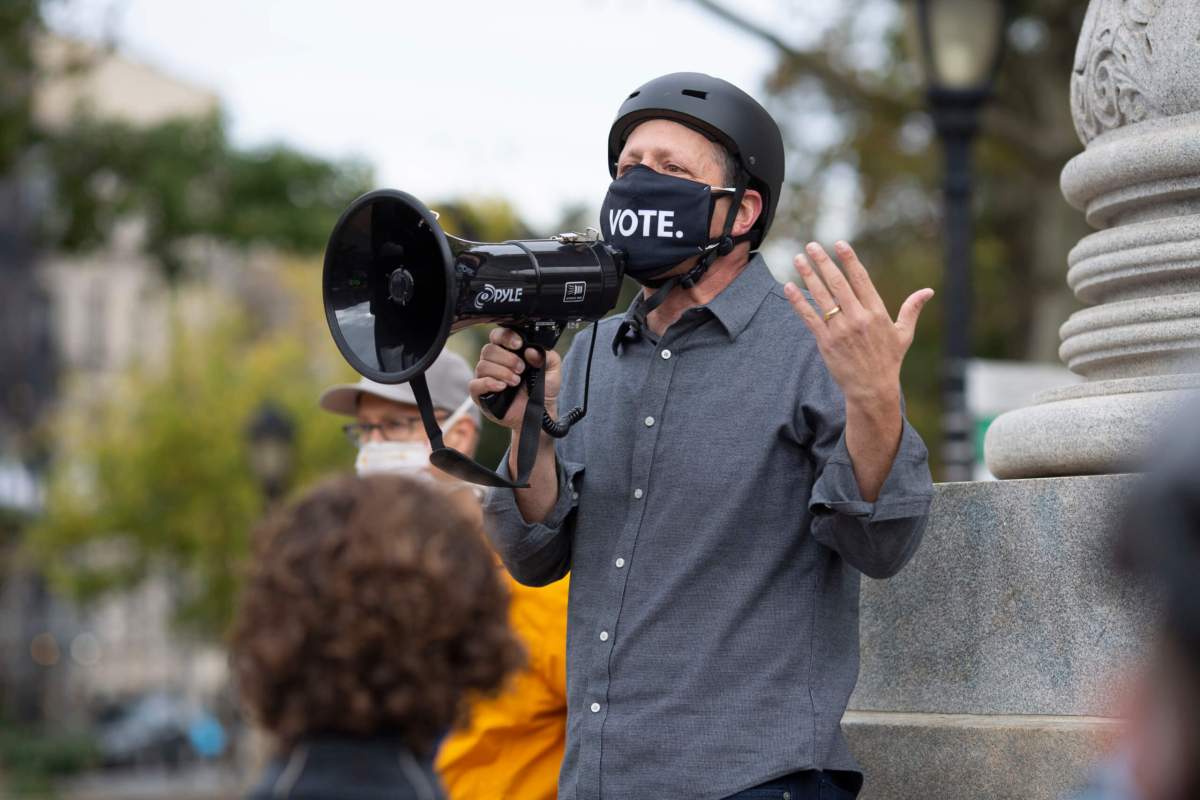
(396, 286)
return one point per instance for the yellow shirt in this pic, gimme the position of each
(514, 746)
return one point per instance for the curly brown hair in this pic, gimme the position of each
(372, 606)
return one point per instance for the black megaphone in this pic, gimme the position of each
(396, 286)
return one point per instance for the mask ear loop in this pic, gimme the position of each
(723, 245)
(461, 412)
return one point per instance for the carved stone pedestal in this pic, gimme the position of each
(1136, 102)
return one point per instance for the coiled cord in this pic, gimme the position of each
(558, 428)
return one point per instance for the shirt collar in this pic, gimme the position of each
(736, 305)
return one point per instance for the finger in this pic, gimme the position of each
(906, 320)
(859, 278)
(490, 369)
(505, 338)
(804, 308)
(535, 358)
(481, 386)
(843, 295)
(496, 354)
(816, 287)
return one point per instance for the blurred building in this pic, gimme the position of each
(97, 314)
(108, 307)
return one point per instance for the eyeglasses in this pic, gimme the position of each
(392, 430)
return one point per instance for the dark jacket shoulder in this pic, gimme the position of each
(343, 768)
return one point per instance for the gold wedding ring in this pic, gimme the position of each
(833, 312)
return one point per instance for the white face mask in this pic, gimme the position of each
(403, 458)
(393, 458)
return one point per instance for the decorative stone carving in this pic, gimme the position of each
(1113, 65)
(1135, 92)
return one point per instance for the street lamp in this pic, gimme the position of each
(958, 46)
(272, 438)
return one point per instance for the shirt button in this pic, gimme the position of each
(649, 422)
(574, 495)
(595, 707)
(666, 354)
(637, 494)
(604, 636)
(787, 796)
(620, 562)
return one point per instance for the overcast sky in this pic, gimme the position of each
(444, 99)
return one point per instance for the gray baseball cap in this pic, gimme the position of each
(447, 378)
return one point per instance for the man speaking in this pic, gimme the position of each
(745, 457)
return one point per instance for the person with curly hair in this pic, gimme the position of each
(513, 744)
(372, 612)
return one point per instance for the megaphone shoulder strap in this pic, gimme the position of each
(465, 468)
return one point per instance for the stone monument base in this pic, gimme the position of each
(990, 664)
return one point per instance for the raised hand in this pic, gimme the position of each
(862, 346)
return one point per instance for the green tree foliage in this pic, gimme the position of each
(20, 20)
(851, 105)
(156, 475)
(185, 179)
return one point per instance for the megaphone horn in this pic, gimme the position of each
(396, 286)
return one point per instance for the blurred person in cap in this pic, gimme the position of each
(1158, 755)
(371, 611)
(388, 431)
(514, 743)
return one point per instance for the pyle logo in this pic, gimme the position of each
(625, 222)
(490, 294)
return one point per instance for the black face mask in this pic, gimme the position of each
(657, 220)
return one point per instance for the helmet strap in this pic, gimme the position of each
(723, 245)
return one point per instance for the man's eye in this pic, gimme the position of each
(674, 168)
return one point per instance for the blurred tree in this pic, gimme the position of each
(484, 219)
(156, 475)
(862, 149)
(184, 179)
(20, 21)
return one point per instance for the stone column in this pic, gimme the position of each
(1135, 94)
(988, 663)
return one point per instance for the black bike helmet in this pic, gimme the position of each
(723, 113)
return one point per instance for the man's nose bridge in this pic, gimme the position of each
(375, 434)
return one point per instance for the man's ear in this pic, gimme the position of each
(748, 212)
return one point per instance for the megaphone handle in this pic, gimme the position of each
(544, 338)
(498, 403)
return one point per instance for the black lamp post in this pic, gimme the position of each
(272, 438)
(958, 45)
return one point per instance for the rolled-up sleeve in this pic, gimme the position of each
(535, 553)
(876, 538)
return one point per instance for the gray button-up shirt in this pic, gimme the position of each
(714, 531)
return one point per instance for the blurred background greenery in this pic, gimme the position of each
(142, 457)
